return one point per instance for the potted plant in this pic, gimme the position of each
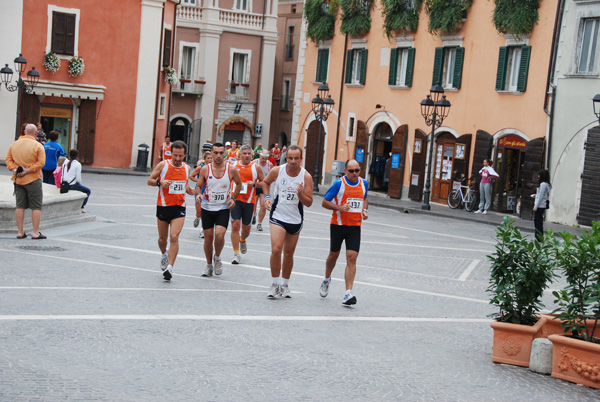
(76, 66)
(446, 16)
(320, 19)
(576, 356)
(51, 62)
(520, 272)
(171, 76)
(400, 15)
(356, 20)
(516, 17)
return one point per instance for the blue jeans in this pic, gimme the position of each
(83, 189)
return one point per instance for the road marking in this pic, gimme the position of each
(121, 205)
(193, 317)
(463, 277)
(133, 289)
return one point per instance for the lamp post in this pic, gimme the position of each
(31, 81)
(322, 105)
(596, 102)
(434, 109)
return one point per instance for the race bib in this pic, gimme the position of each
(177, 187)
(288, 196)
(168, 153)
(218, 197)
(244, 189)
(356, 204)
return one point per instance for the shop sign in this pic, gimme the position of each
(59, 112)
(512, 141)
(360, 155)
(395, 161)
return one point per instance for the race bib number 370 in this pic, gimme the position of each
(218, 197)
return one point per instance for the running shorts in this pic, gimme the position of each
(341, 233)
(167, 214)
(290, 228)
(210, 219)
(243, 211)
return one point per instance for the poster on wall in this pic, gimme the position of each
(395, 161)
(360, 155)
(414, 180)
(460, 151)
(438, 162)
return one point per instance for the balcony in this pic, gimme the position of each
(238, 90)
(189, 86)
(207, 12)
(289, 52)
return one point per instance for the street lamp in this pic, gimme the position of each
(31, 81)
(434, 109)
(596, 101)
(322, 105)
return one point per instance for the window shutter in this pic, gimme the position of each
(501, 73)
(70, 34)
(59, 34)
(349, 64)
(363, 66)
(438, 60)
(322, 65)
(319, 63)
(167, 48)
(458, 65)
(524, 68)
(410, 64)
(393, 67)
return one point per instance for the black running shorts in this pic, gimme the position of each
(210, 219)
(243, 211)
(167, 214)
(290, 228)
(341, 233)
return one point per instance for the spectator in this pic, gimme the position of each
(41, 135)
(71, 173)
(53, 151)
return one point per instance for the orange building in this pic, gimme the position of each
(495, 83)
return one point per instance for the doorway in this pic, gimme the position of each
(59, 119)
(379, 171)
(444, 154)
(508, 189)
(179, 130)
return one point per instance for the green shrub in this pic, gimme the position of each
(320, 19)
(516, 17)
(400, 15)
(445, 16)
(356, 17)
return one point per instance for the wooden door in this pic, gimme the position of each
(484, 143)
(87, 131)
(30, 110)
(533, 162)
(443, 166)
(589, 205)
(399, 152)
(312, 137)
(417, 173)
(362, 143)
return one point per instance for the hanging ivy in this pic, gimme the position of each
(320, 19)
(516, 17)
(400, 15)
(356, 20)
(445, 16)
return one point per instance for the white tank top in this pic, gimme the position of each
(286, 205)
(265, 168)
(218, 190)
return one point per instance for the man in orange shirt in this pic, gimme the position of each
(171, 177)
(165, 150)
(26, 158)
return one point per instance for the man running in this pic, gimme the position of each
(216, 200)
(233, 154)
(243, 211)
(171, 177)
(347, 198)
(293, 192)
(165, 150)
(265, 165)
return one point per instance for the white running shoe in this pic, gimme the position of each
(236, 259)
(201, 233)
(284, 290)
(324, 291)
(478, 211)
(218, 265)
(168, 273)
(484, 213)
(196, 222)
(243, 247)
(349, 299)
(259, 227)
(164, 261)
(273, 291)
(208, 271)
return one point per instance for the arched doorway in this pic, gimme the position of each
(310, 157)
(381, 158)
(179, 129)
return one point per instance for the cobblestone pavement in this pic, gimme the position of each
(85, 315)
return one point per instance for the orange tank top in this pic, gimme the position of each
(247, 173)
(353, 195)
(175, 193)
(166, 151)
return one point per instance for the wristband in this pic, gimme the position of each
(157, 182)
(267, 197)
(364, 210)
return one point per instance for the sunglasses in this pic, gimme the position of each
(353, 170)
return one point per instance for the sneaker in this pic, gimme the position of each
(236, 259)
(218, 266)
(201, 233)
(284, 290)
(164, 261)
(196, 222)
(259, 227)
(168, 274)
(208, 271)
(484, 213)
(83, 211)
(324, 291)
(349, 300)
(273, 291)
(243, 247)
(254, 220)
(478, 211)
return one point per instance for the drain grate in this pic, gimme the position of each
(41, 248)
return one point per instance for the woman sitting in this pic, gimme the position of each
(71, 173)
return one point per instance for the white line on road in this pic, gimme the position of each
(131, 289)
(463, 277)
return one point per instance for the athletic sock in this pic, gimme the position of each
(326, 279)
(236, 251)
(217, 258)
(348, 291)
(242, 240)
(275, 280)
(284, 281)
(169, 267)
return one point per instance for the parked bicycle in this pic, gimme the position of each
(468, 199)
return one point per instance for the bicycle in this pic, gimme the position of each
(468, 200)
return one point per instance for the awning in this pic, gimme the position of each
(66, 90)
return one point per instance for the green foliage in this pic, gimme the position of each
(445, 16)
(521, 270)
(400, 15)
(320, 18)
(356, 20)
(516, 17)
(579, 260)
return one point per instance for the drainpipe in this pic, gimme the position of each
(550, 87)
(337, 131)
(172, 56)
(157, 98)
(260, 72)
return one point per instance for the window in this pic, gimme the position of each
(356, 66)
(162, 106)
(285, 94)
(186, 67)
(447, 66)
(401, 67)
(240, 5)
(239, 73)
(351, 130)
(322, 65)
(588, 46)
(166, 48)
(289, 43)
(63, 33)
(190, 2)
(513, 68)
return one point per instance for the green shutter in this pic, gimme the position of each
(410, 64)
(501, 73)
(349, 58)
(393, 67)
(322, 65)
(319, 62)
(524, 68)
(438, 61)
(363, 66)
(458, 66)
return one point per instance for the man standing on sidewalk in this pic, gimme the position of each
(347, 198)
(26, 158)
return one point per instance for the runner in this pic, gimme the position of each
(276, 152)
(165, 150)
(293, 192)
(265, 166)
(171, 176)
(194, 177)
(216, 203)
(233, 154)
(243, 211)
(347, 198)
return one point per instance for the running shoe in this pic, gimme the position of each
(284, 291)
(164, 261)
(254, 219)
(484, 213)
(168, 274)
(478, 211)
(243, 247)
(201, 233)
(208, 271)
(349, 300)
(236, 259)
(273, 291)
(196, 222)
(324, 291)
(259, 227)
(218, 265)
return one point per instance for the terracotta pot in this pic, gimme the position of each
(512, 342)
(552, 327)
(575, 361)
